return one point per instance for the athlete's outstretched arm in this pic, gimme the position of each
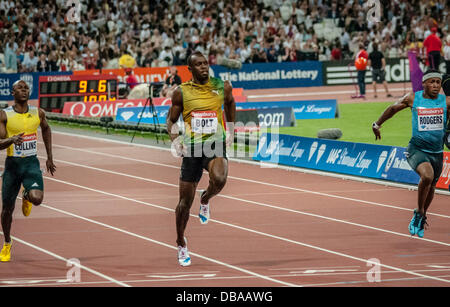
(230, 111)
(47, 138)
(6, 142)
(404, 102)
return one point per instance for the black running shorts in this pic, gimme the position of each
(198, 158)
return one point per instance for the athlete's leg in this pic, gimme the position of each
(33, 182)
(10, 189)
(187, 194)
(429, 198)
(425, 187)
(375, 89)
(7, 214)
(437, 164)
(191, 173)
(218, 173)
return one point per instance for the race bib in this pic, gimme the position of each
(430, 119)
(27, 148)
(204, 122)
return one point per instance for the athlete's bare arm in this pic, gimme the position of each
(403, 103)
(230, 111)
(174, 113)
(6, 142)
(47, 138)
(229, 104)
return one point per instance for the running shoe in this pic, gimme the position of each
(423, 225)
(416, 222)
(5, 254)
(204, 211)
(183, 255)
(26, 205)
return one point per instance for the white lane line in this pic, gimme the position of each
(254, 202)
(229, 225)
(66, 260)
(229, 278)
(255, 181)
(181, 276)
(155, 241)
(173, 273)
(317, 268)
(366, 282)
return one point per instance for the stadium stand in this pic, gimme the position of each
(37, 35)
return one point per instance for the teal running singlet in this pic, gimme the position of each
(429, 117)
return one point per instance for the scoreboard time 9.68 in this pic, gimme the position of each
(54, 91)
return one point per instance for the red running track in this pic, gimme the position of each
(111, 207)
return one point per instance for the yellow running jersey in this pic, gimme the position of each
(26, 123)
(202, 110)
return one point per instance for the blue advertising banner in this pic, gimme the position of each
(366, 160)
(133, 114)
(282, 117)
(7, 80)
(272, 75)
(303, 109)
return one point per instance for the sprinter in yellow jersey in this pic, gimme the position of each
(200, 102)
(18, 133)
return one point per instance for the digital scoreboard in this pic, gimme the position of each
(54, 91)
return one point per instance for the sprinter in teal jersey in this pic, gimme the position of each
(430, 113)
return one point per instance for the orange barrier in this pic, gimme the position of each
(238, 91)
(444, 181)
(240, 98)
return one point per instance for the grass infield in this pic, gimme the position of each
(355, 120)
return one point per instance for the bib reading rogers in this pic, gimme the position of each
(204, 122)
(430, 119)
(28, 147)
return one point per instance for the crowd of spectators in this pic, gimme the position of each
(38, 36)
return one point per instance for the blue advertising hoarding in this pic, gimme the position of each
(133, 114)
(282, 117)
(32, 78)
(272, 75)
(366, 160)
(281, 113)
(303, 109)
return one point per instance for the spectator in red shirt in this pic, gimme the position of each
(433, 44)
(131, 79)
(362, 53)
(336, 53)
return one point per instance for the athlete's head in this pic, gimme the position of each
(432, 82)
(199, 67)
(20, 91)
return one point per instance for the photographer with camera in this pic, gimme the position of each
(172, 81)
(377, 63)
